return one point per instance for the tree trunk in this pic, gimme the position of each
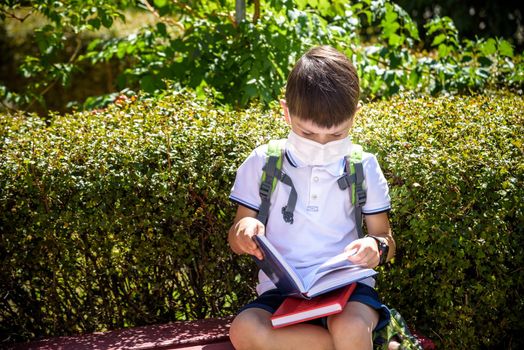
(240, 9)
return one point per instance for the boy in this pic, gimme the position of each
(322, 96)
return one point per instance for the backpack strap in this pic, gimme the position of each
(354, 179)
(271, 173)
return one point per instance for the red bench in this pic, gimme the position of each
(208, 334)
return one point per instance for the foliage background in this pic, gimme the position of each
(473, 18)
(202, 45)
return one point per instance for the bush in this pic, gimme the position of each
(119, 218)
(456, 171)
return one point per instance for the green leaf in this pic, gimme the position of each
(395, 40)
(391, 14)
(150, 83)
(395, 60)
(121, 49)
(444, 50)
(162, 29)
(439, 39)
(414, 78)
(301, 4)
(413, 30)
(505, 48)
(489, 47)
(93, 44)
(160, 3)
(484, 61)
(95, 23)
(107, 20)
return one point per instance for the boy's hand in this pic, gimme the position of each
(241, 236)
(366, 252)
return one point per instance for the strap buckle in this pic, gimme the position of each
(361, 196)
(265, 189)
(288, 215)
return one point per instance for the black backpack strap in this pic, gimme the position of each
(266, 188)
(287, 211)
(360, 197)
(272, 172)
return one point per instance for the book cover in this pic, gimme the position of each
(295, 310)
(334, 273)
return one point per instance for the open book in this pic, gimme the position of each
(294, 310)
(334, 273)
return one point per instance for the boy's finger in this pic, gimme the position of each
(258, 253)
(251, 245)
(260, 230)
(354, 259)
(253, 249)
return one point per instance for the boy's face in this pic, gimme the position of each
(314, 132)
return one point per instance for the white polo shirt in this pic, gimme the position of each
(324, 222)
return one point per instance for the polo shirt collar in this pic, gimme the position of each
(335, 168)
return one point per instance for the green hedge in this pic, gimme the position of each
(119, 218)
(456, 170)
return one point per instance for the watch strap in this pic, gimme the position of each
(383, 248)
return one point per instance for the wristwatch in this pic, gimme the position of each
(383, 248)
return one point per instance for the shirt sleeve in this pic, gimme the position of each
(245, 190)
(377, 189)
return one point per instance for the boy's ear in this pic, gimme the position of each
(352, 121)
(283, 104)
(359, 106)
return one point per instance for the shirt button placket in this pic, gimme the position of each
(314, 187)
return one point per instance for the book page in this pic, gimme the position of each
(338, 278)
(282, 274)
(338, 261)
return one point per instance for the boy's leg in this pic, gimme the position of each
(353, 327)
(252, 330)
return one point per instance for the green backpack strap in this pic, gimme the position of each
(354, 179)
(396, 330)
(271, 174)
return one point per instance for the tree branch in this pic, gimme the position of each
(256, 15)
(151, 9)
(14, 16)
(186, 8)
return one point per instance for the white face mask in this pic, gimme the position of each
(314, 153)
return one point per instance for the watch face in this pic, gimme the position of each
(383, 248)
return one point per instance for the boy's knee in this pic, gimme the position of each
(353, 326)
(350, 324)
(351, 332)
(248, 331)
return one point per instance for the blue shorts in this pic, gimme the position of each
(271, 300)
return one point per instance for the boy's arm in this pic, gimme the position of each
(241, 233)
(378, 225)
(367, 254)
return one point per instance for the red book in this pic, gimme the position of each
(295, 310)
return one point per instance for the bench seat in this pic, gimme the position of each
(208, 334)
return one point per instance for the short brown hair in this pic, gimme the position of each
(323, 87)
